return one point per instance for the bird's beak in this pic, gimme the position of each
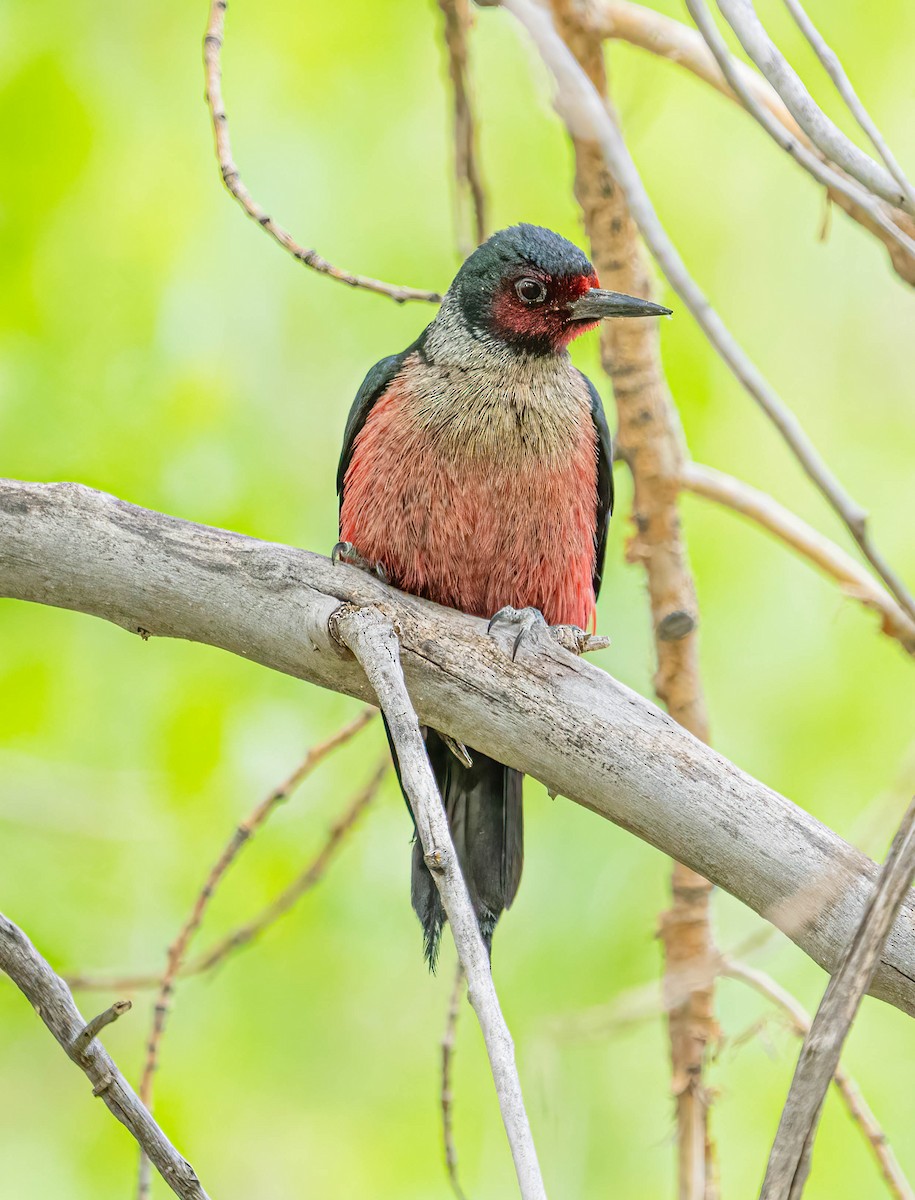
(597, 304)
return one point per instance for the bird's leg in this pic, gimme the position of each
(346, 552)
(532, 621)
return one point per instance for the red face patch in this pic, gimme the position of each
(533, 310)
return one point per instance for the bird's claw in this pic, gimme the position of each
(346, 552)
(530, 620)
(527, 620)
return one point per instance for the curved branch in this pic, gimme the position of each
(680, 44)
(760, 507)
(551, 715)
(824, 134)
(212, 49)
(51, 999)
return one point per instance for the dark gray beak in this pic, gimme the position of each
(597, 304)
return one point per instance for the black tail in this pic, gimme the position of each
(483, 803)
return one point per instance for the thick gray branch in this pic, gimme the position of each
(51, 999)
(549, 714)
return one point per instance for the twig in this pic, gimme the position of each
(836, 73)
(584, 111)
(789, 1161)
(650, 442)
(670, 39)
(51, 999)
(212, 48)
(858, 1108)
(824, 134)
(97, 1024)
(244, 935)
(371, 637)
(817, 165)
(762, 508)
(243, 834)
(468, 180)
(447, 1096)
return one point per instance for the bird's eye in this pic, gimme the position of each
(530, 291)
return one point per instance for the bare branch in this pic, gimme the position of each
(245, 934)
(762, 508)
(858, 1108)
(685, 46)
(370, 635)
(789, 1161)
(824, 134)
(212, 49)
(51, 999)
(178, 949)
(468, 180)
(836, 73)
(583, 110)
(819, 167)
(447, 1096)
(555, 717)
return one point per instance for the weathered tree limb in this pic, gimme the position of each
(371, 637)
(824, 133)
(813, 162)
(212, 50)
(766, 511)
(679, 43)
(51, 999)
(789, 1162)
(836, 72)
(649, 440)
(549, 714)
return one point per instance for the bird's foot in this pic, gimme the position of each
(532, 621)
(346, 552)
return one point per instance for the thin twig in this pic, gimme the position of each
(244, 935)
(97, 1024)
(212, 48)
(468, 180)
(447, 1096)
(823, 132)
(789, 1161)
(679, 43)
(584, 111)
(371, 637)
(854, 580)
(858, 1108)
(817, 165)
(51, 999)
(178, 949)
(837, 74)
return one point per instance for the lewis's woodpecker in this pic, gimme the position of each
(476, 471)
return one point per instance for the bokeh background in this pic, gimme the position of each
(155, 344)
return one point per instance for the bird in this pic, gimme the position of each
(476, 471)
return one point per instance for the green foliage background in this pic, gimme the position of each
(153, 343)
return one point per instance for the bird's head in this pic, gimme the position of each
(535, 291)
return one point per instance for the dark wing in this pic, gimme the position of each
(604, 481)
(373, 387)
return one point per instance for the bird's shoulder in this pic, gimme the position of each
(373, 387)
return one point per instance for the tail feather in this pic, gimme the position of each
(483, 805)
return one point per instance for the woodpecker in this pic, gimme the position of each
(476, 471)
